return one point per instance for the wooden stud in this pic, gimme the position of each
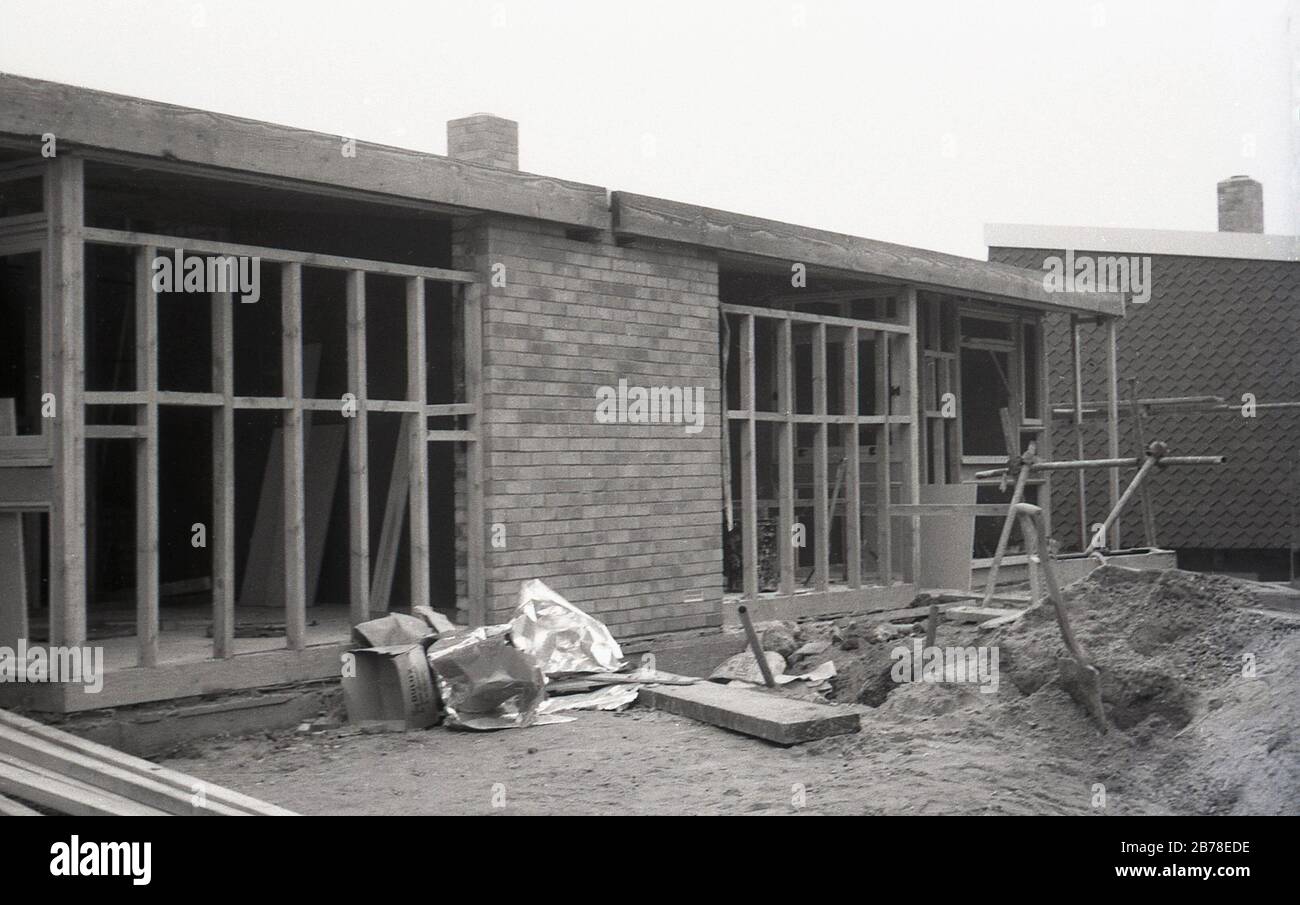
(821, 470)
(146, 461)
(358, 453)
(417, 445)
(1112, 424)
(884, 530)
(852, 464)
(1047, 435)
(1076, 359)
(292, 449)
(13, 556)
(222, 539)
(785, 431)
(748, 476)
(66, 299)
(475, 455)
(911, 446)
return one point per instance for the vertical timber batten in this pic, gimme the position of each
(222, 540)
(1112, 422)
(358, 452)
(471, 296)
(884, 530)
(911, 446)
(748, 474)
(295, 540)
(417, 444)
(785, 453)
(146, 461)
(1076, 360)
(821, 471)
(852, 466)
(66, 196)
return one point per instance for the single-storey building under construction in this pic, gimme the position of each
(430, 378)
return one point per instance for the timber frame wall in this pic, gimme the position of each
(62, 237)
(896, 425)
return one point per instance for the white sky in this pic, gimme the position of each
(913, 122)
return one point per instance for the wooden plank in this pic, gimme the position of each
(836, 600)
(65, 202)
(748, 474)
(49, 790)
(475, 455)
(852, 463)
(274, 255)
(1076, 360)
(673, 221)
(139, 766)
(146, 461)
(142, 127)
(293, 506)
(911, 432)
(980, 614)
(358, 453)
(11, 808)
(785, 432)
(417, 446)
(773, 718)
(222, 539)
(944, 509)
(884, 530)
(13, 558)
(805, 317)
(1112, 425)
(107, 777)
(821, 465)
(1047, 436)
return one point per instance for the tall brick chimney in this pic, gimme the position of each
(486, 139)
(1241, 205)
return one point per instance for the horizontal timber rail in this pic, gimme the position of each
(806, 318)
(276, 255)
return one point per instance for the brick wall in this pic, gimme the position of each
(623, 519)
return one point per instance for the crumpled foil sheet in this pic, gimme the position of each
(562, 637)
(485, 682)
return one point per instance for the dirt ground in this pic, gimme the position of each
(1192, 734)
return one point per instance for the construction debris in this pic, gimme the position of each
(69, 775)
(560, 636)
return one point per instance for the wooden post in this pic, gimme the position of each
(14, 553)
(1112, 422)
(785, 452)
(65, 203)
(222, 539)
(358, 452)
(1139, 428)
(911, 447)
(748, 477)
(884, 533)
(1047, 436)
(852, 465)
(821, 471)
(295, 532)
(417, 443)
(475, 456)
(1076, 358)
(146, 461)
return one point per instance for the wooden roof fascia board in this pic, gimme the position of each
(85, 118)
(674, 221)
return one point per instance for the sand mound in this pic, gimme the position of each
(1166, 643)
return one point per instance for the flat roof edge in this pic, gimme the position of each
(675, 221)
(84, 117)
(1187, 243)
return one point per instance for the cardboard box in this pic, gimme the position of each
(392, 685)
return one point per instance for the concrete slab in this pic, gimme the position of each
(766, 716)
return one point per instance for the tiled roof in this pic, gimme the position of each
(1213, 326)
